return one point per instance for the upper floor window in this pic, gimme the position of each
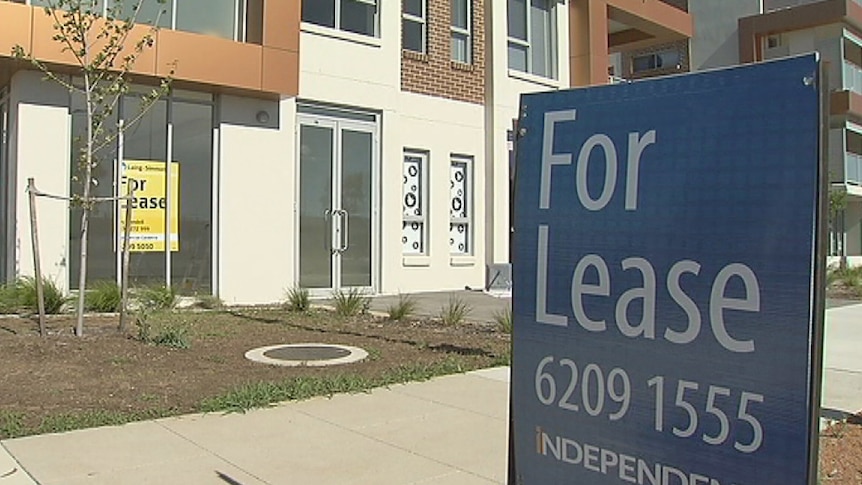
(461, 30)
(532, 36)
(229, 19)
(415, 25)
(668, 59)
(357, 16)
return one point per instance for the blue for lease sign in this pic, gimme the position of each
(665, 256)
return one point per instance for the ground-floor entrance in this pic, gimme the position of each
(337, 206)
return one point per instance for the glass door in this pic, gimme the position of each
(336, 204)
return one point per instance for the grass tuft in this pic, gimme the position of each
(503, 319)
(208, 302)
(403, 309)
(350, 303)
(104, 297)
(455, 312)
(9, 301)
(297, 299)
(157, 297)
(55, 300)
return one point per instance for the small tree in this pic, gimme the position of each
(104, 49)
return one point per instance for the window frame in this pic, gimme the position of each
(422, 21)
(527, 44)
(467, 220)
(337, 19)
(455, 31)
(422, 200)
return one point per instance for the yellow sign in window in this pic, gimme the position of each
(149, 206)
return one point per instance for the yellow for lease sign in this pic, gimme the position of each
(149, 206)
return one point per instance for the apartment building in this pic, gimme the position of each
(327, 144)
(833, 28)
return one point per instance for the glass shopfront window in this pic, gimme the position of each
(171, 231)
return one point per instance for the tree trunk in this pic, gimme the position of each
(124, 286)
(85, 204)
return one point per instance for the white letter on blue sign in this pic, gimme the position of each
(718, 303)
(542, 315)
(684, 302)
(610, 172)
(579, 289)
(647, 294)
(637, 145)
(549, 159)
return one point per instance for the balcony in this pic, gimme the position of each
(683, 4)
(853, 168)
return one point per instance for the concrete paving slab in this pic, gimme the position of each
(297, 448)
(486, 397)
(204, 470)
(470, 442)
(360, 411)
(60, 458)
(11, 472)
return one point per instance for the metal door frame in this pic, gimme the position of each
(340, 124)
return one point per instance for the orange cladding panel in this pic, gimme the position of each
(208, 60)
(280, 73)
(16, 27)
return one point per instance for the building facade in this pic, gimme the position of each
(834, 29)
(323, 144)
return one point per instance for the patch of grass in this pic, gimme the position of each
(174, 335)
(263, 394)
(350, 303)
(9, 299)
(12, 424)
(454, 312)
(156, 297)
(503, 319)
(60, 423)
(55, 300)
(103, 297)
(403, 309)
(297, 299)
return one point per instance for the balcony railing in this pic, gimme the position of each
(852, 77)
(853, 168)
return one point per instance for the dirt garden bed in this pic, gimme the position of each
(64, 382)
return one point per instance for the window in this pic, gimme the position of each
(357, 16)
(668, 59)
(414, 235)
(532, 37)
(173, 243)
(415, 26)
(460, 224)
(461, 26)
(229, 19)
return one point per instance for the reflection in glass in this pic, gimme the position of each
(356, 201)
(320, 12)
(147, 140)
(315, 203)
(191, 266)
(209, 17)
(358, 16)
(102, 256)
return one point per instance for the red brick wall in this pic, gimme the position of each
(435, 73)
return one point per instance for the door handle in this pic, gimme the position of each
(327, 230)
(345, 230)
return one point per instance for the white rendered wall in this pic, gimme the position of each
(256, 240)
(39, 148)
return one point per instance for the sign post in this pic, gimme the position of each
(667, 303)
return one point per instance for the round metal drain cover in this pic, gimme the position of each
(313, 355)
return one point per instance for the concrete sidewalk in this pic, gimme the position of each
(450, 430)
